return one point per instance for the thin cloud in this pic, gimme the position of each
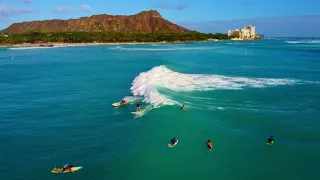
(180, 6)
(62, 10)
(65, 10)
(268, 26)
(85, 8)
(24, 1)
(162, 6)
(7, 11)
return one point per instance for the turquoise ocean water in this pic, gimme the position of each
(55, 108)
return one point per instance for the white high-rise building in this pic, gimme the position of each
(253, 31)
(248, 32)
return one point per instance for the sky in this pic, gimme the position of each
(272, 18)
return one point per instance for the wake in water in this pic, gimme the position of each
(148, 84)
(144, 110)
(132, 99)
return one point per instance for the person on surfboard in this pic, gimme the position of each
(138, 107)
(182, 108)
(270, 140)
(66, 167)
(173, 141)
(58, 169)
(123, 102)
(209, 144)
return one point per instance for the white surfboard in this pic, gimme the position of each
(170, 145)
(116, 104)
(137, 113)
(73, 170)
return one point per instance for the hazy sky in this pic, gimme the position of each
(271, 17)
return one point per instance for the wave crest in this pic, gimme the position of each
(28, 48)
(148, 84)
(161, 48)
(304, 42)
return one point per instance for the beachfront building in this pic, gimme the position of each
(248, 32)
(236, 33)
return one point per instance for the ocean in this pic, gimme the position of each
(55, 108)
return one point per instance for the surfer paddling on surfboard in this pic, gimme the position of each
(174, 141)
(67, 168)
(182, 108)
(123, 102)
(138, 107)
(209, 144)
(270, 140)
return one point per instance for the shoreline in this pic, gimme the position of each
(66, 44)
(59, 44)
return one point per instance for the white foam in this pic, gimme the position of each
(304, 42)
(277, 38)
(131, 99)
(144, 110)
(156, 45)
(233, 43)
(167, 48)
(27, 48)
(148, 83)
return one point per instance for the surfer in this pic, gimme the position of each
(67, 167)
(182, 108)
(123, 102)
(173, 141)
(58, 169)
(270, 140)
(209, 144)
(138, 107)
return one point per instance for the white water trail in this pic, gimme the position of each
(132, 99)
(144, 110)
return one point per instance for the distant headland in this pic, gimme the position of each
(143, 27)
(143, 22)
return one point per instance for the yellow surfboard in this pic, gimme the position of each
(73, 169)
(270, 144)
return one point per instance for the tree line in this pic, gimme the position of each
(105, 37)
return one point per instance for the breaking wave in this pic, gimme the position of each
(161, 48)
(304, 42)
(147, 84)
(27, 48)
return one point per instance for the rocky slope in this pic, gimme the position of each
(145, 21)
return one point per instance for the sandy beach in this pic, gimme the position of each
(76, 44)
(55, 44)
